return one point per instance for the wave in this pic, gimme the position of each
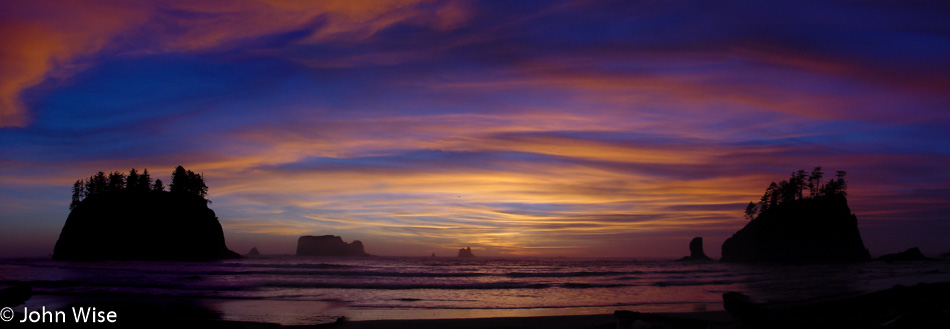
(566, 274)
(409, 286)
(685, 283)
(446, 286)
(434, 274)
(300, 266)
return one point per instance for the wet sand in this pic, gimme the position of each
(545, 322)
(170, 312)
(918, 306)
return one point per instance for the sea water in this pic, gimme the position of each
(307, 290)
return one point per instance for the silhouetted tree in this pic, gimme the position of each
(842, 184)
(158, 187)
(750, 211)
(116, 182)
(78, 194)
(183, 181)
(132, 181)
(197, 184)
(98, 184)
(787, 191)
(145, 181)
(793, 189)
(770, 198)
(179, 180)
(187, 181)
(836, 187)
(799, 178)
(814, 181)
(775, 194)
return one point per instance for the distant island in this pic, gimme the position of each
(466, 252)
(328, 245)
(909, 255)
(790, 226)
(129, 217)
(696, 250)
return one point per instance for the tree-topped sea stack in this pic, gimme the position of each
(129, 217)
(788, 227)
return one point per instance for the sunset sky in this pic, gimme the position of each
(552, 128)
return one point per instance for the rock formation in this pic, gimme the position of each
(253, 252)
(909, 255)
(819, 230)
(923, 305)
(15, 295)
(466, 252)
(328, 245)
(944, 255)
(162, 226)
(696, 250)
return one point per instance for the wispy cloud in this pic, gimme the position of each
(517, 128)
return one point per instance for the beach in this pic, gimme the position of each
(284, 291)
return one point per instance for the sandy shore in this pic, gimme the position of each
(170, 312)
(601, 321)
(918, 306)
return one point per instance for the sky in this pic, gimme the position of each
(535, 128)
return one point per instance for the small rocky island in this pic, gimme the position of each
(909, 255)
(800, 221)
(129, 217)
(328, 245)
(466, 253)
(696, 250)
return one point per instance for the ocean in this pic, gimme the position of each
(294, 290)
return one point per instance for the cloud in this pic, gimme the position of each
(45, 40)
(523, 127)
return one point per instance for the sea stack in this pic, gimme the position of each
(909, 255)
(253, 252)
(466, 252)
(328, 245)
(155, 226)
(696, 250)
(818, 230)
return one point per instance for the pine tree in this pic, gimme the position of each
(179, 180)
(116, 182)
(750, 210)
(158, 187)
(98, 184)
(814, 181)
(132, 181)
(77, 194)
(145, 181)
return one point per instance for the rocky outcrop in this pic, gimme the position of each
(696, 250)
(160, 226)
(821, 230)
(253, 253)
(909, 255)
(466, 252)
(328, 245)
(923, 305)
(16, 295)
